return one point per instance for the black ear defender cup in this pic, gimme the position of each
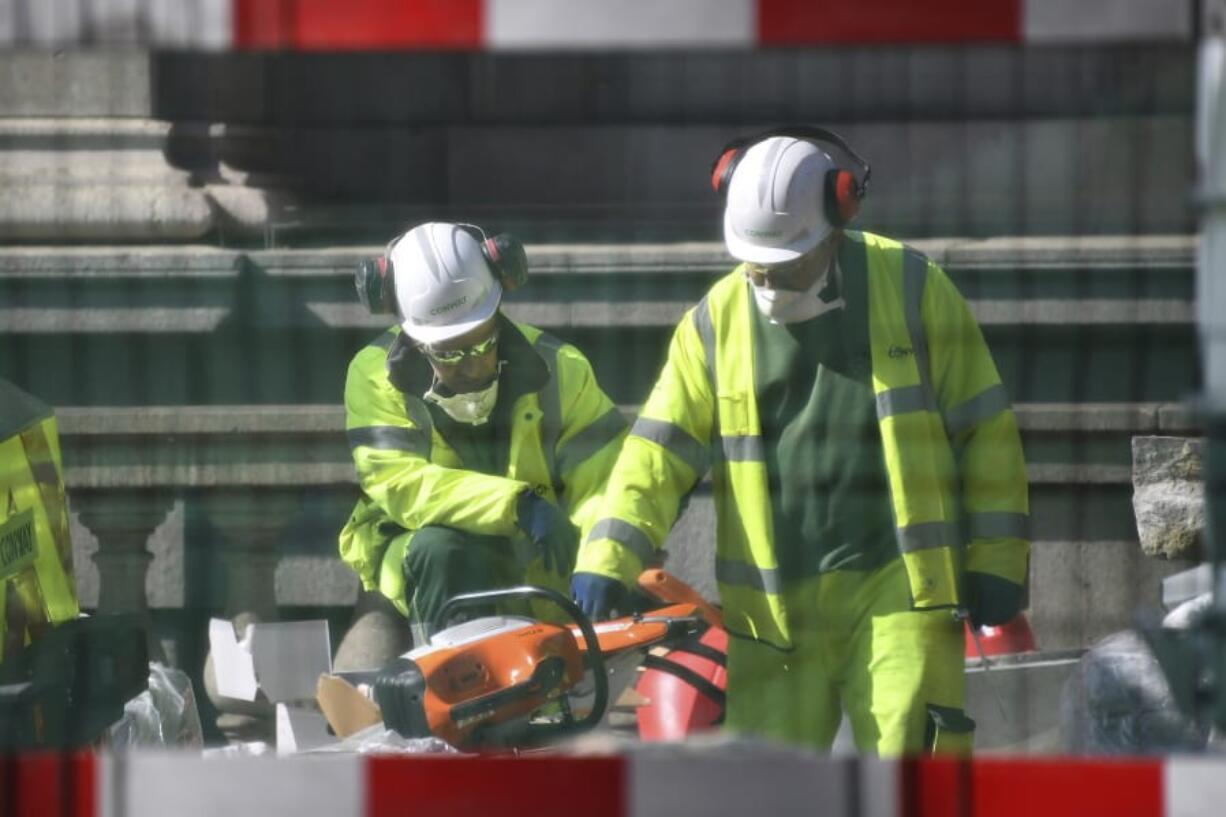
(505, 255)
(375, 278)
(507, 259)
(842, 192)
(375, 285)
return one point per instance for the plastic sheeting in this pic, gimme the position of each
(378, 739)
(165, 714)
(1118, 702)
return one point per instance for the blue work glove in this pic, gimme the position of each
(551, 532)
(991, 600)
(596, 595)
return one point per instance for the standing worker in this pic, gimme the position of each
(37, 585)
(481, 445)
(870, 489)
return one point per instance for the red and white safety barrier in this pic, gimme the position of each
(664, 781)
(584, 24)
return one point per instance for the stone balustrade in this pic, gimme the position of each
(266, 488)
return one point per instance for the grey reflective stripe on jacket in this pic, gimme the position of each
(914, 276)
(902, 400)
(550, 397)
(925, 535)
(740, 574)
(706, 333)
(674, 439)
(590, 440)
(390, 438)
(626, 535)
(968, 414)
(742, 448)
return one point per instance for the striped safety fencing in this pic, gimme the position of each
(584, 24)
(664, 781)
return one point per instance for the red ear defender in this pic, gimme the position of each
(491, 251)
(842, 191)
(721, 171)
(843, 195)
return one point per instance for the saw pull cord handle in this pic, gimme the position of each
(595, 656)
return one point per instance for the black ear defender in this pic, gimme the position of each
(375, 284)
(842, 192)
(375, 278)
(505, 255)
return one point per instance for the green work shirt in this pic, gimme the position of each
(828, 485)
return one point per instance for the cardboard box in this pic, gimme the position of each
(280, 662)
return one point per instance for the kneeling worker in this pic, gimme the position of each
(481, 445)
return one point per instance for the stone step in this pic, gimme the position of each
(744, 87)
(972, 140)
(114, 82)
(99, 325)
(92, 179)
(291, 446)
(1078, 176)
(1090, 280)
(681, 86)
(1056, 176)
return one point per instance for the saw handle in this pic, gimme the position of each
(594, 656)
(664, 586)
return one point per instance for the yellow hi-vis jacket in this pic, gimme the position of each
(37, 588)
(565, 435)
(953, 454)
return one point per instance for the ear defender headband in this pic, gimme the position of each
(375, 278)
(842, 192)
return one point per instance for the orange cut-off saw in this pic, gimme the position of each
(506, 680)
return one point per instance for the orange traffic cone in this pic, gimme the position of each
(1014, 636)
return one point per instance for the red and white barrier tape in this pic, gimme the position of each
(663, 783)
(584, 24)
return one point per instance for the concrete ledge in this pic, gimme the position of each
(1083, 590)
(1134, 418)
(988, 254)
(680, 86)
(287, 446)
(39, 83)
(187, 420)
(979, 177)
(1131, 418)
(298, 455)
(98, 210)
(1125, 281)
(1016, 701)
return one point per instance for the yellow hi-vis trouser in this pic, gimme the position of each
(859, 648)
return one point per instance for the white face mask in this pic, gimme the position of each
(790, 306)
(473, 407)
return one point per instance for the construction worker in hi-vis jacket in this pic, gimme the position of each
(37, 585)
(481, 445)
(869, 484)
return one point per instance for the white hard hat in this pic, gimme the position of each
(775, 208)
(444, 287)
